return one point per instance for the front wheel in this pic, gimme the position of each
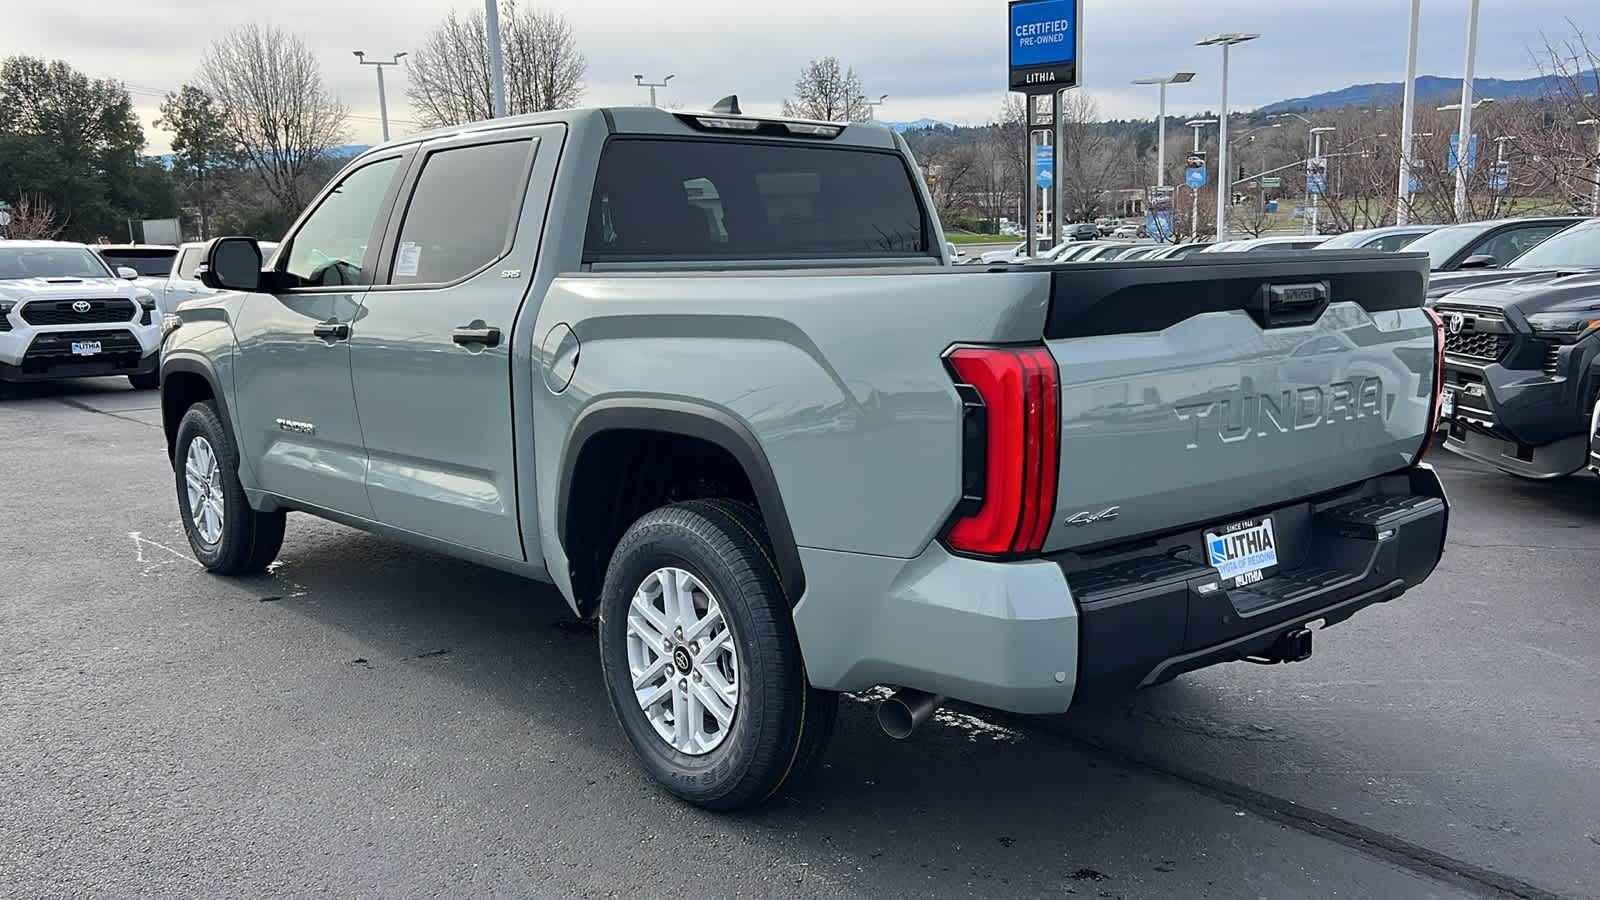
(226, 535)
(700, 658)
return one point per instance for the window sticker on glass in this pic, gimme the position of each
(406, 263)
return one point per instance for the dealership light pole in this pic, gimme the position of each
(1226, 40)
(1463, 148)
(497, 68)
(383, 103)
(652, 85)
(1194, 200)
(1594, 196)
(1408, 107)
(1161, 123)
(1464, 132)
(1316, 154)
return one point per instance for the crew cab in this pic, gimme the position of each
(65, 314)
(1522, 359)
(712, 376)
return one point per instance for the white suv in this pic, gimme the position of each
(65, 314)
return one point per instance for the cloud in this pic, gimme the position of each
(944, 59)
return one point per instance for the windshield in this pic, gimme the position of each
(1575, 246)
(1446, 242)
(51, 262)
(154, 263)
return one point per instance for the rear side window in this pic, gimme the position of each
(664, 199)
(462, 213)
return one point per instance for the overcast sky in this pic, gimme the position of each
(943, 59)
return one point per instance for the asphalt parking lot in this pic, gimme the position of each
(370, 720)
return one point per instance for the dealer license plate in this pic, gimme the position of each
(85, 348)
(1241, 552)
(1447, 402)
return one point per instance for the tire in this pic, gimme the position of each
(244, 541)
(778, 725)
(146, 382)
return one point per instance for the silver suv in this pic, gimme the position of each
(65, 314)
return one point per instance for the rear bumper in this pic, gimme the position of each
(1033, 637)
(1151, 616)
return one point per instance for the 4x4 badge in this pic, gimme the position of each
(1089, 518)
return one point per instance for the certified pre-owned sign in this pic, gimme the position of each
(1045, 43)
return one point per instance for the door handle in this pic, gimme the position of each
(477, 333)
(338, 331)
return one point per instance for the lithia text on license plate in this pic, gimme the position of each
(1241, 552)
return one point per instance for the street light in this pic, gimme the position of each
(1402, 215)
(383, 103)
(1594, 196)
(1500, 160)
(1316, 153)
(1464, 141)
(872, 103)
(1225, 40)
(497, 65)
(1161, 123)
(1194, 199)
(652, 85)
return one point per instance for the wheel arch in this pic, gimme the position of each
(696, 421)
(185, 381)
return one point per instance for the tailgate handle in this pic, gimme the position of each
(1282, 305)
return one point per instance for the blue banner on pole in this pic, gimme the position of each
(1317, 175)
(1043, 166)
(1472, 152)
(1500, 176)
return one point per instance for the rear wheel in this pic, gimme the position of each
(700, 657)
(226, 535)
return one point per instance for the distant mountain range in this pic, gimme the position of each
(1430, 89)
(342, 152)
(920, 123)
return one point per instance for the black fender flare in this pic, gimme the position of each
(193, 365)
(705, 423)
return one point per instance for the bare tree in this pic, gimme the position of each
(1572, 68)
(1091, 158)
(33, 218)
(828, 92)
(277, 111)
(449, 74)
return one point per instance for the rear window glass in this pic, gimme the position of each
(659, 199)
(150, 263)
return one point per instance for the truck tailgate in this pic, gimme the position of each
(1196, 391)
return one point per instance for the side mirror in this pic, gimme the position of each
(1480, 261)
(232, 264)
(127, 273)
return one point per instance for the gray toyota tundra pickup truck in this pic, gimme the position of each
(714, 377)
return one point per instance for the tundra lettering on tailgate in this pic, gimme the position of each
(1236, 418)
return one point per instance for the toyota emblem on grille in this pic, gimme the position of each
(81, 306)
(1456, 322)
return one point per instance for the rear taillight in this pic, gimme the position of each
(1011, 445)
(1438, 384)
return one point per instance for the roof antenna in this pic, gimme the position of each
(728, 106)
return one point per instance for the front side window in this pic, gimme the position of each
(462, 212)
(663, 199)
(190, 262)
(331, 243)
